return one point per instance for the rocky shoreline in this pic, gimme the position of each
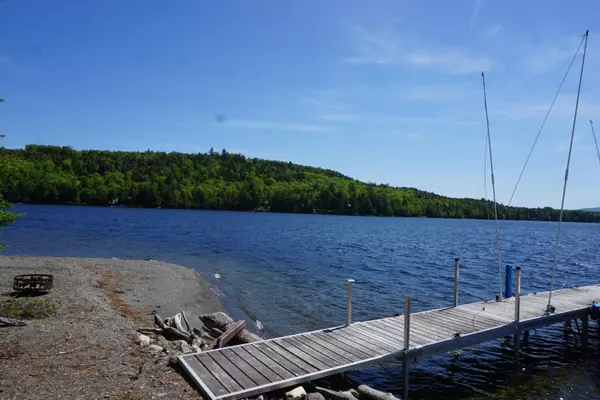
(83, 343)
(99, 333)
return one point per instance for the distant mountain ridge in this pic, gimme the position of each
(592, 209)
(224, 181)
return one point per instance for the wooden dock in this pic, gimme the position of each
(248, 370)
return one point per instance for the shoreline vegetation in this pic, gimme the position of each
(225, 181)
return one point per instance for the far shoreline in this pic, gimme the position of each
(297, 213)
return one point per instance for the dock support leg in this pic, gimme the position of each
(567, 328)
(526, 335)
(584, 329)
(516, 347)
(349, 301)
(405, 382)
(405, 361)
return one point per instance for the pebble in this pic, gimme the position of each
(315, 396)
(173, 360)
(185, 348)
(144, 340)
(155, 348)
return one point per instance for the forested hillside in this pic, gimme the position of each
(224, 181)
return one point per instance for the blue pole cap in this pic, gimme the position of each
(509, 265)
(456, 259)
(518, 267)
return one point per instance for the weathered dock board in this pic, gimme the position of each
(250, 369)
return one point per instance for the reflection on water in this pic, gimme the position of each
(289, 271)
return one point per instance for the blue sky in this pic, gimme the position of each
(383, 91)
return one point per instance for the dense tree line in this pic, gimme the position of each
(224, 181)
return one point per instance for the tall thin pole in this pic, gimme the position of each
(595, 140)
(549, 308)
(489, 140)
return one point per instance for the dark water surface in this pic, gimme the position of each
(289, 271)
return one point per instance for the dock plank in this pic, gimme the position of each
(356, 333)
(219, 373)
(205, 376)
(255, 357)
(324, 361)
(256, 371)
(283, 361)
(353, 347)
(239, 374)
(325, 349)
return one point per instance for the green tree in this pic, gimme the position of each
(7, 165)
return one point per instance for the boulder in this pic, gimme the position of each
(295, 394)
(315, 396)
(155, 348)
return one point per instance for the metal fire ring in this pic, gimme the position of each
(33, 283)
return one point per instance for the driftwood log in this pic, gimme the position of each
(11, 322)
(222, 322)
(171, 332)
(374, 394)
(335, 395)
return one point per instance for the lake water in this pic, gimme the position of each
(289, 271)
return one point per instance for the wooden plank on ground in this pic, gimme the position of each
(230, 333)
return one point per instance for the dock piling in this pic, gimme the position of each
(517, 335)
(585, 328)
(508, 276)
(349, 301)
(405, 360)
(517, 294)
(456, 270)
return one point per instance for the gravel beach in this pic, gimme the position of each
(86, 348)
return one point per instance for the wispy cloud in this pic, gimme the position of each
(493, 29)
(579, 145)
(339, 117)
(564, 107)
(437, 93)
(385, 48)
(414, 136)
(545, 57)
(456, 61)
(276, 126)
(327, 107)
(10, 64)
(475, 13)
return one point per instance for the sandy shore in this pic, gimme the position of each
(86, 348)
